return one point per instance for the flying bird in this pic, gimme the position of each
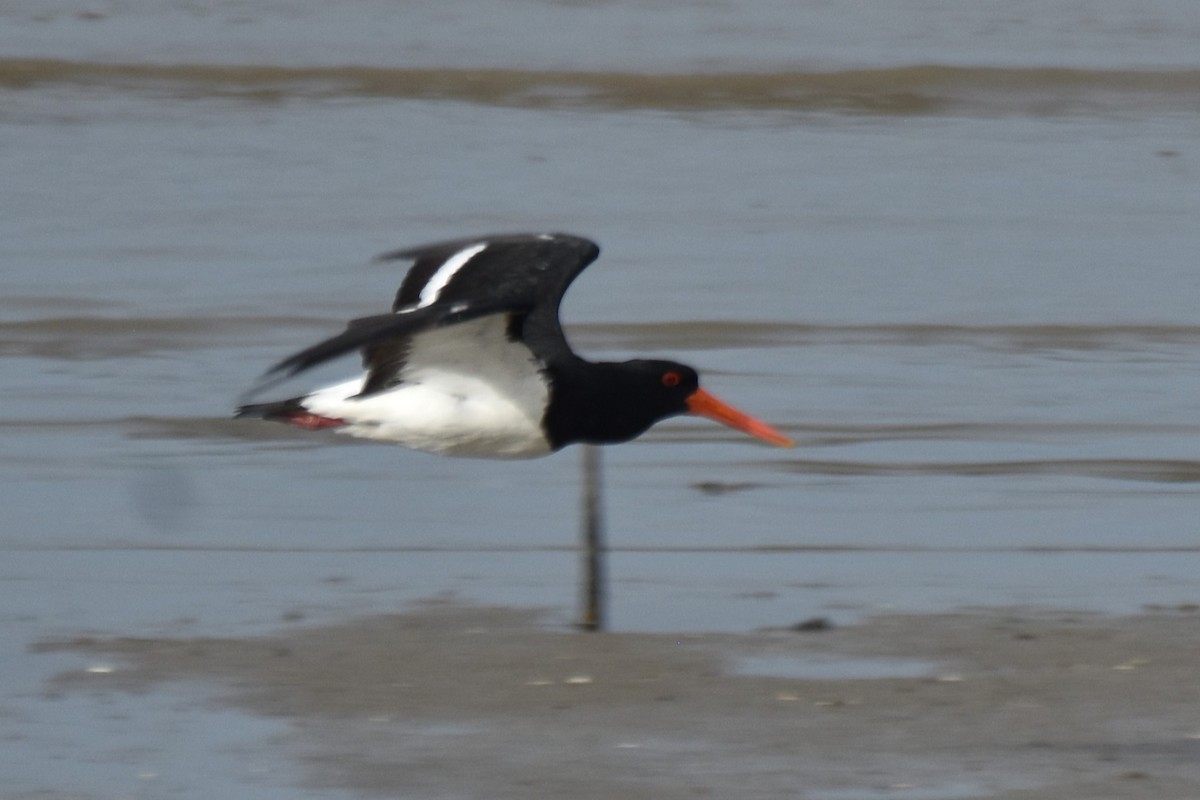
(472, 361)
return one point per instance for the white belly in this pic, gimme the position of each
(485, 399)
(454, 417)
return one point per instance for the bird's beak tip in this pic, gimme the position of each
(705, 405)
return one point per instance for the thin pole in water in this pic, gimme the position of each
(593, 618)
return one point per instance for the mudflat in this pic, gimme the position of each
(464, 702)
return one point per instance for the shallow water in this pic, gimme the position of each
(975, 313)
(949, 248)
(816, 668)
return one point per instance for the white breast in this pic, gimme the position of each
(464, 390)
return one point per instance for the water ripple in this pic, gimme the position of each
(73, 337)
(917, 90)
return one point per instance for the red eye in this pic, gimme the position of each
(670, 379)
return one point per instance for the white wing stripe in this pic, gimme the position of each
(438, 280)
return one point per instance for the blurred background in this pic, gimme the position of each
(949, 247)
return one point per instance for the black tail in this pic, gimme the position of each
(282, 410)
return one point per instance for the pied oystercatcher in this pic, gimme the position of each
(472, 361)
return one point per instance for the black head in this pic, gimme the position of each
(660, 388)
(607, 403)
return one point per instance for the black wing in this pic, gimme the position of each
(456, 281)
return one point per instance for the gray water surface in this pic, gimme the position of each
(949, 248)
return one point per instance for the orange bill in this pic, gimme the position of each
(704, 404)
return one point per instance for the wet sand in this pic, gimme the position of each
(461, 702)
